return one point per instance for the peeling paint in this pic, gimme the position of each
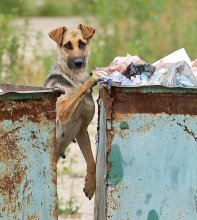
(148, 154)
(28, 154)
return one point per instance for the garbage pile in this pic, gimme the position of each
(175, 69)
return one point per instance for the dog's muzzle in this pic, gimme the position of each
(76, 63)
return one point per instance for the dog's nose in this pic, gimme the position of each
(78, 63)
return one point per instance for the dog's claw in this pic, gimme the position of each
(90, 185)
(74, 141)
(89, 194)
(63, 156)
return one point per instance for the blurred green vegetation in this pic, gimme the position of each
(16, 65)
(148, 28)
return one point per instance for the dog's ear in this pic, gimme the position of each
(87, 31)
(57, 34)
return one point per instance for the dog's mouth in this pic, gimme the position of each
(76, 63)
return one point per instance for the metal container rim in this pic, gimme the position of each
(146, 86)
(25, 89)
(149, 88)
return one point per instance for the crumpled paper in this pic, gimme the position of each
(176, 56)
(174, 74)
(119, 64)
(194, 67)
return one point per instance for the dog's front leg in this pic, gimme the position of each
(85, 146)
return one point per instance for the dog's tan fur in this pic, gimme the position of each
(74, 35)
(75, 109)
(66, 106)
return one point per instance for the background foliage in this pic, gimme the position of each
(148, 28)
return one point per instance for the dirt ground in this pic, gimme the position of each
(71, 172)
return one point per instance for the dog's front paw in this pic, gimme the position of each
(90, 186)
(97, 76)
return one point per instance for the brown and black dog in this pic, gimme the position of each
(69, 74)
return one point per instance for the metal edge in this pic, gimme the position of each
(148, 88)
(29, 91)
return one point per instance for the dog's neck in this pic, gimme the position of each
(78, 76)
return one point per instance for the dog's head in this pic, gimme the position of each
(73, 45)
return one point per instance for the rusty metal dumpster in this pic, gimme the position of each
(27, 153)
(147, 154)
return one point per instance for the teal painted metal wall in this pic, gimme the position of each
(28, 154)
(149, 151)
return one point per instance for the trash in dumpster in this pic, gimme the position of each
(137, 69)
(175, 69)
(179, 55)
(194, 63)
(120, 64)
(194, 67)
(173, 74)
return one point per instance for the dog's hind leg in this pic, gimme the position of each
(84, 143)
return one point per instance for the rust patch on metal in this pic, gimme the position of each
(123, 134)
(13, 175)
(107, 100)
(15, 114)
(33, 217)
(169, 103)
(55, 211)
(112, 200)
(13, 110)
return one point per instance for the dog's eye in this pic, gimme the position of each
(82, 44)
(68, 46)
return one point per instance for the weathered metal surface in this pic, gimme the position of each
(147, 148)
(100, 172)
(27, 153)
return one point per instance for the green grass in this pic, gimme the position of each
(48, 60)
(68, 208)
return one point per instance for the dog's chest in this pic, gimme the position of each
(80, 118)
